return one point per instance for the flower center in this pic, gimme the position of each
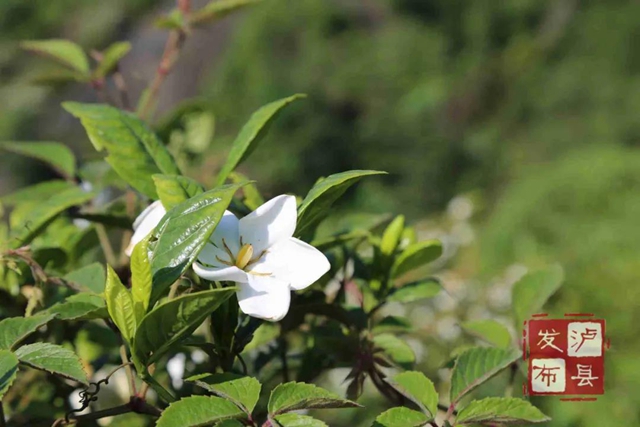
(244, 256)
(243, 259)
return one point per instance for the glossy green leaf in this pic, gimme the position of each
(135, 152)
(293, 396)
(533, 290)
(316, 206)
(490, 331)
(251, 134)
(416, 255)
(416, 291)
(83, 306)
(401, 417)
(111, 57)
(64, 52)
(8, 370)
(14, 329)
(398, 350)
(298, 420)
(419, 389)
(59, 156)
(198, 411)
(174, 320)
(182, 233)
(54, 359)
(36, 192)
(241, 390)
(175, 189)
(476, 366)
(218, 9)
(140, 279)
(120, 305)
(92, 277)
(500, 410)
(40, 214)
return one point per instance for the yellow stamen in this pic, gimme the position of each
(244, 256)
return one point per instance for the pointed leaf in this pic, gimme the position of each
(391, 236)
(416, 291)
(500, 410)
(140, 279)
(174, 320)
(241, 390)
(489, 330)
(14, 329)
(392, 324)
(298, 420)
(120, 305)
(36, 192)
(251, 134)
(401, 417)
(197, 411)
(182, 234)
(533, 290)
(316, 206)
(175, 189)
(293, 396)
(218, 9)
(64, 52)
(53, 358)
(476, 366)
(83, 306)
(419, 389)
(135, 152)
(91, 277)
(111, 57)
(416, 255)
(8, 370)
(57, 155)
(398, 350)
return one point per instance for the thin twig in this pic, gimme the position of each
(38, 272)
(121, 86)
(132, 379)
(105, 243)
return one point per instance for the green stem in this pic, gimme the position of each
(127, 366)
(163, 393)
(109, 255)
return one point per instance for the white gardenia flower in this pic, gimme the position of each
(260, 254)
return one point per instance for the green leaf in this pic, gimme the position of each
(416, 255)
(64, 52)
(218, 9)
(252, 197)
(230, 423)
(416, 291)
(57, 155)
(251, 134)
(316, 206)
(391, 236)
(53, 358)
(120, 305)
(175, 189)
(40, 214)
(533, 290)
(490, 331)
(174, 320)
(8, 370)
(297, 420)
(110, 58)
(14, 329)
(140, 279)
(401, 417)
(83, 306)
(398, 350)
(36, 192)
(92, 277)
(293, 396)
(500, 410)
(241, 390)
(135, 152)
(197, 411)
(476, 366)
(419, 389)
(182, 233)
(392, 324)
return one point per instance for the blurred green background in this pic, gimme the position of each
(523, 112)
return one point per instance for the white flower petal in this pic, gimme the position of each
(264, 297)
(272, 222)
(227, 229)
(295, 262)
(144, 223)
(232, 274)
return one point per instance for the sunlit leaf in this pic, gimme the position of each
(401, 417)
(416, 255)
(293, 396)
(54, 359)
(59, 156)
(298, 420)
(533, 290)
(83, 306)
(489, 330)
(14, 329)
(398, 350)
(218, 9)
(140, 279)
(419, 389)
(120, 305)
(500, 410)
(64, 52)
(241, 390)
(198, 411)
(175, 189)
(110, 58)
(416, 291)
(8, 370)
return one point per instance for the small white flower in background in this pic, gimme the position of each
(258, 252)
(144, 223)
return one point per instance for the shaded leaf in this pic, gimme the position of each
(111, 57)
(501, 410)
(398, 350)
(532, 291)
(297, 420)
(416, 255)
(15, 329)
(135, 152)
(36, 192)
(197, 411)
(54, 359)
(92, 277)
(489, 330)
(419, 389)
(83, 306)
(392, 324)
(401, 417)
(120, 305)
(252, 197)
(8, 370)
(64, 52)
(241, 390)
(175, 189)
(415, 291)
(218, 9)
(293, 396)
(55, 154)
